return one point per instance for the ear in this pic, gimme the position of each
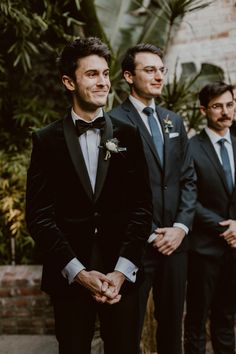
(128, 77)
(203, 110)
(68, 82)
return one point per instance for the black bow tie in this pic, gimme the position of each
(83, 126)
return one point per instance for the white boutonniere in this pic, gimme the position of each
(167, 124)
(112, 146)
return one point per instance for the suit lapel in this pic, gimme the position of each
(77, 155)
(212, 155)
(102, 163)
(162, 115)
(135, 119)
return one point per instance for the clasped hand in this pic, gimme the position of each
(230, 234)
(104, 288)
(168, 239)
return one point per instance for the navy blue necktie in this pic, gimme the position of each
(226, 164)
(155, 131)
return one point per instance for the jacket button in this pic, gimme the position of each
(165, 188)
(96, 214)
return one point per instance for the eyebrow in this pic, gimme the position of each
(153, 67)
(96, 70)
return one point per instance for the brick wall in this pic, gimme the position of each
(24, 309)
(207, 36)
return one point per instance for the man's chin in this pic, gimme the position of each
(156, 93)
(93, 106)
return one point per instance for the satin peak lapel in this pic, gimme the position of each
(77, 155)
(211, 153)
(102, 163)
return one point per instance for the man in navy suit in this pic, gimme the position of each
(212, 260)
(233, 126)
(89, 209)
(172, 180)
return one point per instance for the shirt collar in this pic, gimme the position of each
(139, 105)
(76, 116)
(214, 137)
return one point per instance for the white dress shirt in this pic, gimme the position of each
(89, 143)
(140, 107)
(214, 137)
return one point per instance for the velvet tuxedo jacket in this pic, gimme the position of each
(215, 202)
(173, 185)
(63, 213)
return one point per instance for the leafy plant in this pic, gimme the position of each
(32, 35)
(12, 198)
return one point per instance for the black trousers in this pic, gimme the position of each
(75, 321)
(167, 277)
(211, 291)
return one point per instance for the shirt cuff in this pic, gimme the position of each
(128, 268)
(152, 237)
(181, 226)
(72, 269)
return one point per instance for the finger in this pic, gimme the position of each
(111, 293)
(166, 249)
(104, 286)
(224, 223)
(100, 299)
(104, 278)
(227, 233)
(229, 238)
(113, 301)
(167, 252)
(160, 231)
(160, 243)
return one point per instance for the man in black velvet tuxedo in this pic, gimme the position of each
(212, 259)
(89, 209)
(172, 182)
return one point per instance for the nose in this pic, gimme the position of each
(225, 109)
(158, 74)
(102, 80)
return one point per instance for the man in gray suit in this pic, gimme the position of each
(212, 260)
(172, 180)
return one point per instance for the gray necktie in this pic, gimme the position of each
(155, 131)
(226, 164)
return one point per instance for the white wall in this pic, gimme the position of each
(207, 36)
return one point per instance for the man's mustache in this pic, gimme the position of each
(224, 118)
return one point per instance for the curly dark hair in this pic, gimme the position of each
(128, 63)
(213, 90)
(80, 48)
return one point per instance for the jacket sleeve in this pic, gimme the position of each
(208, 219)
(140, 202)
(188, 191)
(40, 211)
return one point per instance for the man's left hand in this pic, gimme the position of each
(168, 239)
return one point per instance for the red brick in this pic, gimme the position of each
(24, 308)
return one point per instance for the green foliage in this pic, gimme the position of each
(32, 33)
(30, 97)
(181, 94)
(12, 199)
